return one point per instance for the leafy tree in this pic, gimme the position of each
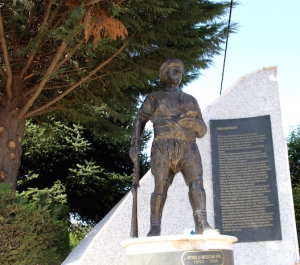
(90, 60)
(293, 143)
(32, 233)
(78, 231)
(65, 159)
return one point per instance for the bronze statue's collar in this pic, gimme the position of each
(171, 89)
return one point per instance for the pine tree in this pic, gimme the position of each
(65, 160)
(31, 232)
(91, 60)
(293, 144)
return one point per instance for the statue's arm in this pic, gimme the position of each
(137, 130)
(201, 126)
(192, 118)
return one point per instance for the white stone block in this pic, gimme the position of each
(255, 94)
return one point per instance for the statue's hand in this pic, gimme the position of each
(190, 123)
(134, 153)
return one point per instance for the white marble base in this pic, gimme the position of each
(177, 243)
(170, 249)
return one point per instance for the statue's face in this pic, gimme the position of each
(174, 75)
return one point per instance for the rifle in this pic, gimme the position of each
(135, 184)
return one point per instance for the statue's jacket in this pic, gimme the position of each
(171, 113)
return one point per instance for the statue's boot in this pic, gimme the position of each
(198, 203)
(157, 204)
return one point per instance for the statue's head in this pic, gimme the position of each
(171, 71)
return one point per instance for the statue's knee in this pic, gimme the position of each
(196, 184)
(161, 188)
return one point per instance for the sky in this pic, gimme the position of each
(268, 34)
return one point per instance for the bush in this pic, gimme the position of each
(293, 144)
(31, 233)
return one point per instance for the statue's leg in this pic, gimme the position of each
(192, 171)
(163, 176)
(157, 204)
(198, 202)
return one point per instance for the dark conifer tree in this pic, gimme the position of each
(67, 160)
(293, 144)
(89, 61)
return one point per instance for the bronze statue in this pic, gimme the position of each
(177, 121)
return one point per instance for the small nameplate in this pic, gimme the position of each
(213, 257)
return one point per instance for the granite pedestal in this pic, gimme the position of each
(178, 250)
(253, 95)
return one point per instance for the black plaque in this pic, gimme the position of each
(245, 189)
(216, 257)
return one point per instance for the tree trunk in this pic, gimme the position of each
(11, 137)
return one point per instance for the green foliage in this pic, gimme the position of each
(51, 197)
(74, 241)
(296, 196)
(66, 162)
(31, 233)
(89, 74)
(293, 144)
(294, 154)
(157, 30)
(55, 198)
(77, 232)
(90, 159)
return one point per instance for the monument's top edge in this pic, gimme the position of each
(242, 78)
(257, 71)
(249, 75)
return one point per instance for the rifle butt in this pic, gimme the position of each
(134, 220)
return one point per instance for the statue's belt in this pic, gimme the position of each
(164, 132)
(168, 127)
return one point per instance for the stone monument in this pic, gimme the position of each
(253, 95)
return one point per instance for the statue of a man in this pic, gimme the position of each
(177, 121)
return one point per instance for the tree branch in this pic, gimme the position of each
(56, 87)
(33, 53)
(32, 89)
(59, 5)
(43, 112)
(58, 22)
(68, 56)
(93, 2)
(83, 80)
(97, 1)
(98, 77)
(6, 59)
(44, 81)
(47, 14)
